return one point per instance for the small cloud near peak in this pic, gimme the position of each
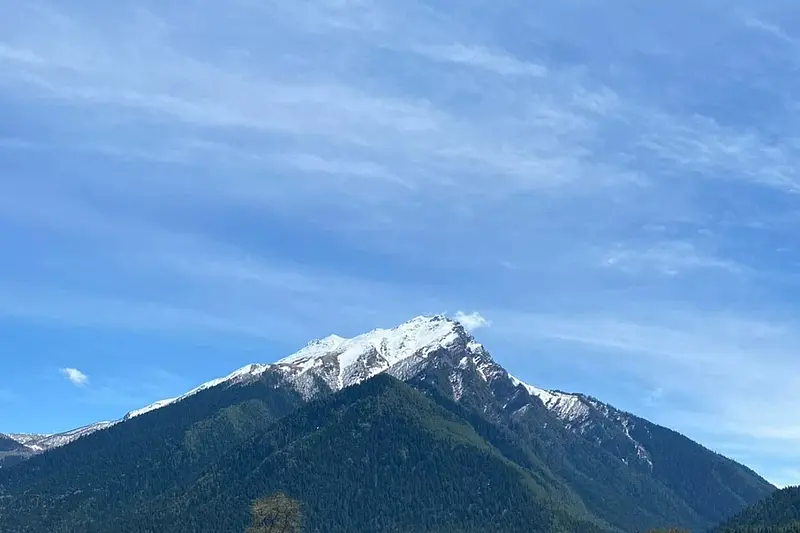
(75, 376)
(472, 321)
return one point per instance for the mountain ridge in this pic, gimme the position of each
(293, 364)
(397, 351)
(624, 470)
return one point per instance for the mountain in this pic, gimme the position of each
(310, 370)
(15, 448)
(378, 456)
(27, 445)
(584, 461)
(40, 443)
(778, 513)
(12, 451)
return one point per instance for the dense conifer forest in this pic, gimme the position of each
(382, 456)
(778, 513)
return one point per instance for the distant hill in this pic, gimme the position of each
(460, 446)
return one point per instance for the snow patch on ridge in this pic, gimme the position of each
(246, 373)
(43, 442)
(457, 384)
(640, 451)
(575, 411)
(567, 407)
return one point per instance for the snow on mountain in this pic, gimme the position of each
(40, 443)
(333, 363)
(25, 439)
(338, 362)
(152, 407)
(583, 414)
(247, 373)
(568, 407)
(9, 445)
(341, 362)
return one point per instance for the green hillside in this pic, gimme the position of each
(375, 457)
(380, 456)
(685, 485)
(778, 513)
(109, 473)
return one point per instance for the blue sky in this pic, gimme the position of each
(612, 185)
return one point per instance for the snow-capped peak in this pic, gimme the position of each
(394, 344)
(341, 362)
(406, 351)
(337, 361)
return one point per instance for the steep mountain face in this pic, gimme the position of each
(597, 461)
(778, 513)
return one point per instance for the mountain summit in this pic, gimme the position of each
(333, 363)
(606, 469)
(339, 362)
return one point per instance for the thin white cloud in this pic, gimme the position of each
(770, 28)
(9, 53)
(485, 59)
(472, 321)
(667, 258)
(702, 147)
(75, 376)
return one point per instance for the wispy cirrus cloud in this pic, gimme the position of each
(19, 55)
(165, 82)
(481, 58)
(668, 258)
